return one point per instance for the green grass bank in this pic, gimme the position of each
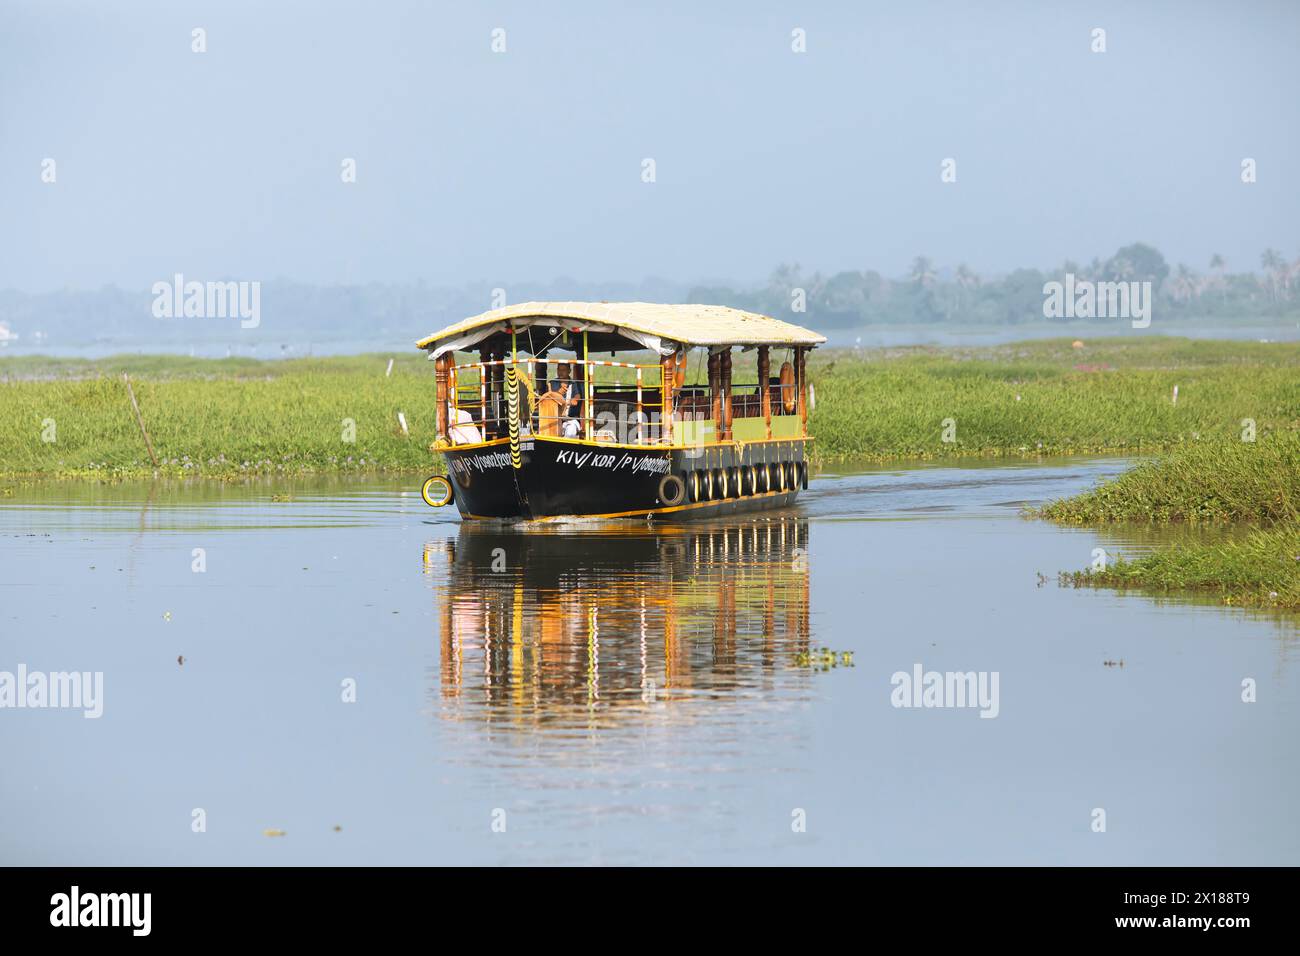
(1260, 570)
(1210, 481)
(227, 418)
(1228, 483)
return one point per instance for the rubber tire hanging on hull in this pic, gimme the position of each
(437, 491)
(672, 491)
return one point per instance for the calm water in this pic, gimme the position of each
(625, 694)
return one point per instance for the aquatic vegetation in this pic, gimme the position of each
(217, 418)
(823, 659)
(233, 418)
(1219, 481)
(1252, 483)
(1260, 570)
(1050, 398)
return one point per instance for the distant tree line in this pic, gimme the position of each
(926, 294)
(389, 315)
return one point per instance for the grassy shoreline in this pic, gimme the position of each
(214, 418)
(1216, 481)
(1255, 485)
(1261, 570)
(234, 418)
(1048, 398)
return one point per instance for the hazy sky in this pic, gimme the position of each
(527, 164)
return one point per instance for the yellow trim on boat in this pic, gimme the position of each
(609, 444)
(711, 503)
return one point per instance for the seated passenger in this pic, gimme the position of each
(556, 405)
(464, 432)
(551, 409)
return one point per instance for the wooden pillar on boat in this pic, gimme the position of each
(440, 400)
(588, 427)
(715, 393)
(764, 388)
(801, 372)
(453, 394)
(490, 385)
(564, 375)
(726, 395)
(541, 381)
(640, 408)
(500, 413)
(667, 379)
(497, 379)
(482, 391)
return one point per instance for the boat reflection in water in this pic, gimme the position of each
(555, 626)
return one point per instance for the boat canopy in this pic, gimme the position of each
(661, 328)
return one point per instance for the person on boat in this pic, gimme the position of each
(556, 406)
(564, 386)
(464, 431)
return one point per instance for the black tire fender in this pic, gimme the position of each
(672, 490)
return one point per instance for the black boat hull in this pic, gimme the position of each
(565, 478)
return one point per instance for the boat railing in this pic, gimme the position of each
(747, 399)
(559, 399)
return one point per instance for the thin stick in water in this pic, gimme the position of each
(139, 420)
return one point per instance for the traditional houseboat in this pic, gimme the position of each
(533, 424)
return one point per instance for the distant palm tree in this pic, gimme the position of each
(966, 280)
(922, 271)
(1273, 264)
(1217, 265)
(785, 276)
